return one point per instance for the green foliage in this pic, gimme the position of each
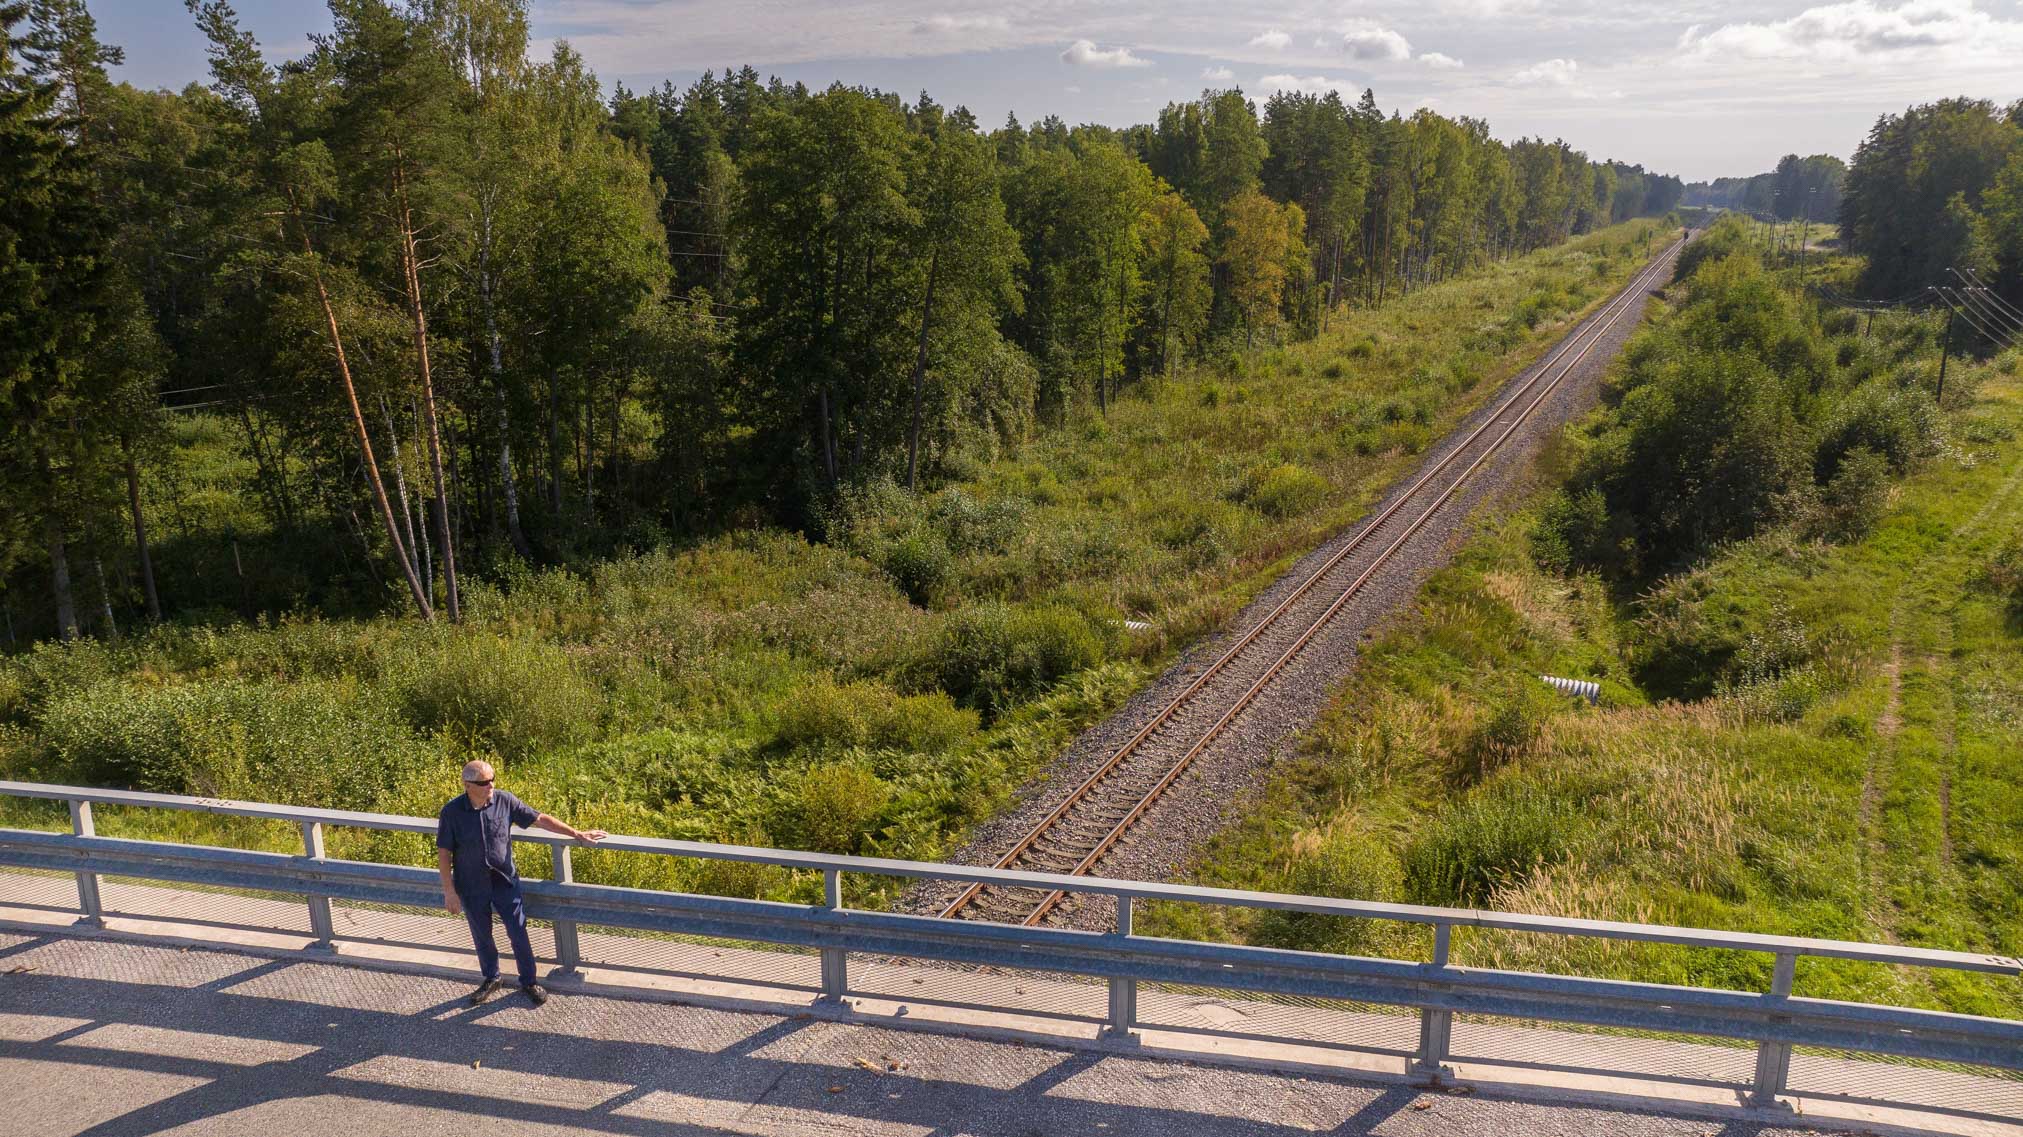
(1853, 500)
(1345, 865)
(1914, 188)
(1517, 713)
(826, 716)
(995, 656)
(511, 697)
(1284, 490)
(920, 564)
(834, 807)
(1487, 842)
(299, 743)
(1573, 530)
(1738, 413)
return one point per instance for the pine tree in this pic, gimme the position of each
(53, 237)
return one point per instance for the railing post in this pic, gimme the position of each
(1436, 1027)
(835, 961)
(320, 924)
(568, 952)
(1773, 1059)
(87, 882)
(1123, 989)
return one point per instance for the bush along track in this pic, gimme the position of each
(878, 691)
(1800, 585)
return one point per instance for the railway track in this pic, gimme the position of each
(1097, 813)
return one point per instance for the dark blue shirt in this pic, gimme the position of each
(480, 841)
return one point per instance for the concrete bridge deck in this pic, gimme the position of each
(109, 1038)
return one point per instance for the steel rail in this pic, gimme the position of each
(1597, 327)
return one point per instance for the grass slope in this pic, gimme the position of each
(1861, 783)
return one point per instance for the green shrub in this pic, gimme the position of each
(823, 715)
(1854, 500)
(993, 657)
(1573, 531)
(1282, 491)
(833, 807)
(973, 527)
(515, 697)
(1518, 711)
(1345, 866)
(920, 564)
(1900, 424)
(1484, 843)
(2004, 572)
(310, 743)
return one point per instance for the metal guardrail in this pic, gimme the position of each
(1774, 1020)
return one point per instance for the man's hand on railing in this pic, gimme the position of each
(555, 824)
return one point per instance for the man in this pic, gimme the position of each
(474, 853)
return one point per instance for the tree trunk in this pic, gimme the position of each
(920, 369)
(105, 599)
(400, 491)
(1166, 313)
(59, 581)
(508, 489)
(554, 450)
(828, 440)
(414, 584)
(587, 469)
(272, 473)
(140, 539)
(411, 269)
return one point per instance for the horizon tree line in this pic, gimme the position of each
(449, 306)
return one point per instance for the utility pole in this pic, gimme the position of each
(1945, 348)
(1805, 233)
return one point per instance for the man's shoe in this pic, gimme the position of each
(537, 993)
(486, 990)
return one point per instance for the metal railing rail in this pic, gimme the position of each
(1774, 1021)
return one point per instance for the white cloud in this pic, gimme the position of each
(1436, 59)
(1367, 39)
(1218, 74)
(1859, 29)
(1273, 39)
(1311, 84)
(946, 24)
(1563, 76)
(1083, 53)
(1551, 73)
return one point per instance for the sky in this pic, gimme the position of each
(1697, 88)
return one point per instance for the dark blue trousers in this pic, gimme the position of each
(504, 899)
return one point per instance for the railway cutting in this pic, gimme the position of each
(1138, 791)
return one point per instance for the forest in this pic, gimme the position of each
(1937, 187)
(347, 332)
